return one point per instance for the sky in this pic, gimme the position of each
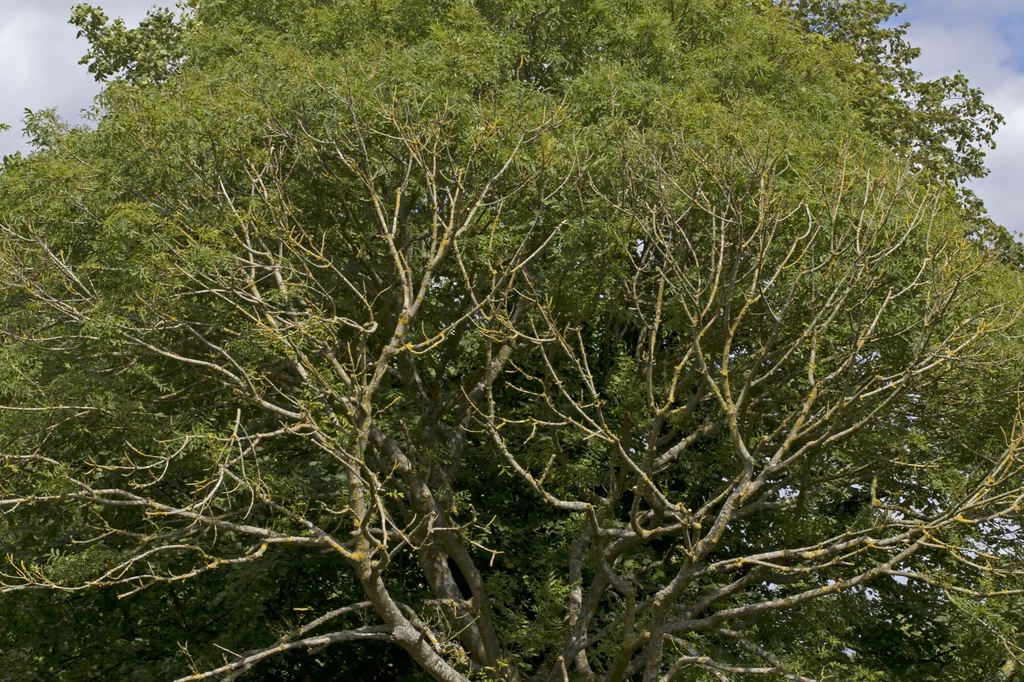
(39, 60)
(983, 38)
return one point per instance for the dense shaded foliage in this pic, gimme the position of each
(547, 339)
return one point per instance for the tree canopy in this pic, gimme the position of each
(509, 340)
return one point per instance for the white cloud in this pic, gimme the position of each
(39, 60)
(978, 38)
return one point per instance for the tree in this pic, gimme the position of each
(539, 340)
(145, 54)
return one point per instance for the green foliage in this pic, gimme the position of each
(425, 308)
(943, 124)
(145, 54)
